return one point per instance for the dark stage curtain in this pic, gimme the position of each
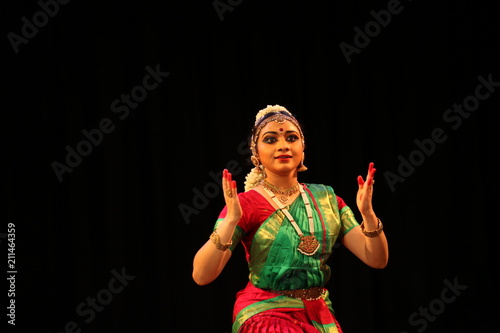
(119, 117)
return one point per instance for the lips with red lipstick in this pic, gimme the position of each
(283, 158)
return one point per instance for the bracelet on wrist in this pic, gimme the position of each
(372, 233)
(216, 240)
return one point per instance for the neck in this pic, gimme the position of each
(282, 181)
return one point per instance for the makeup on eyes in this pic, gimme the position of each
(270, 137)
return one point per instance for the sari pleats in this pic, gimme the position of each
(278, 322)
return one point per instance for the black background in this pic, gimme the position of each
(120, 207)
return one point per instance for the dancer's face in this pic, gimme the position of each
(280, 147)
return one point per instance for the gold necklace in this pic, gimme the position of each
(282, 192)
(308, 245)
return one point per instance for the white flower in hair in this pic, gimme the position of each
(270, 108)
(253, 179)
(250, 181)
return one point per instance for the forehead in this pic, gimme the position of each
(274, 126)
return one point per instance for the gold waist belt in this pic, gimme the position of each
(310, 294)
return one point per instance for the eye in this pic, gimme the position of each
(269, 139)
(292, 138)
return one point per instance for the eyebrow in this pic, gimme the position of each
(274, 132)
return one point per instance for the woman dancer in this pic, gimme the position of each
(288, 230)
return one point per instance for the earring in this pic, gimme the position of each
(301, 166)
(256, 163)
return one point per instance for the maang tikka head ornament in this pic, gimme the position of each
(278, 114)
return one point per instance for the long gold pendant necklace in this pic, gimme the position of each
(308, 245)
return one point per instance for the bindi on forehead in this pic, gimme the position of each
(285, 127)
(279, 129)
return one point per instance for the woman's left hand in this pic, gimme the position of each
(365, 191)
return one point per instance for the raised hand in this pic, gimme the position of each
(230, 190)
(365, 191)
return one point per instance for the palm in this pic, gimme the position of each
(365, 190)
(230, 190)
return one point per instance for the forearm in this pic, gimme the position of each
(209, 260)
(376, 248)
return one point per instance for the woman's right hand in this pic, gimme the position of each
(230, 190)
(209, 261)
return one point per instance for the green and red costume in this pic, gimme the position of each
(270, 244)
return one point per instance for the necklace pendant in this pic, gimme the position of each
(308, 245)
(284, 199)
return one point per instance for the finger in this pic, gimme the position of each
(360, 181)
(371, 177)
(230, 187)
(370, 174)
(370, 167)
(225, 183)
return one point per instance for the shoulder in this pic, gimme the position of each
(319, 188)
(252, 201)
(327, 190)
(256, 209)
(248, 201)
(249, 196)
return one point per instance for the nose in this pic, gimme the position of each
(284, 147)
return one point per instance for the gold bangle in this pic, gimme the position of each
(373, 233)
(216, 239)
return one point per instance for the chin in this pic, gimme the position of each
(286, 169)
